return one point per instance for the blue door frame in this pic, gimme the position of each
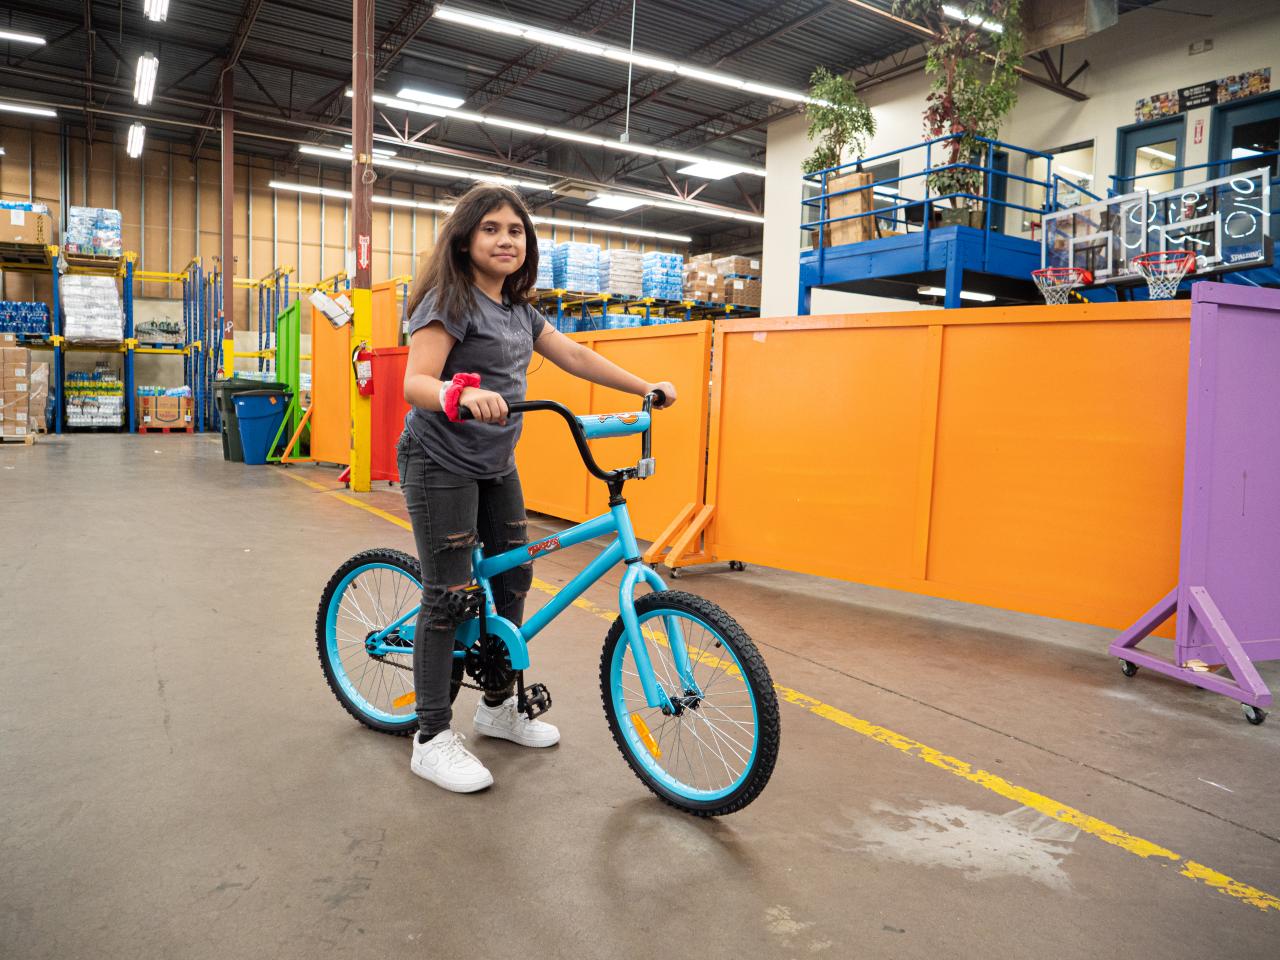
(1130, 138)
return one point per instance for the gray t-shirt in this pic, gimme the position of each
(495, 341)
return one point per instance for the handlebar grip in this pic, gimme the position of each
(659, 396)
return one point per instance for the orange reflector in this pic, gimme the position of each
(404, 701)
(646, 737)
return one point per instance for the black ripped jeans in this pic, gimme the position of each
(450, 515)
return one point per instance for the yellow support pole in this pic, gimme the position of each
(361, 411)
(229, 357)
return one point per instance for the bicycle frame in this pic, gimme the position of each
(622, 548)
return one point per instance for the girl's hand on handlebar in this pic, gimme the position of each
(668, 394)
(485, 405)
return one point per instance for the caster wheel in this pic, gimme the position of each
(1254, 715)
(1128, 669)
(675, 573)
(737, 565)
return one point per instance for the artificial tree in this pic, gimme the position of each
(838, 120)
(841, 124)
(972, 62)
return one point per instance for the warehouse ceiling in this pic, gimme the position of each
(292, 67)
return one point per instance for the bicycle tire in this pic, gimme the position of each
(645, 761)
(337, 672)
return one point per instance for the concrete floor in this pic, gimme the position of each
(201, 793)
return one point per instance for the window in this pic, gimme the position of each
(1073, 165)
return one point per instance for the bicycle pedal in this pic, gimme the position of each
(535, 701)
(465, 604)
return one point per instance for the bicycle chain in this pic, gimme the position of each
(401, 666)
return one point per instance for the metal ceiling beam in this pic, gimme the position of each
(386, 51)
(764, 28)
(930, 34)
(238, 39)
(587, 20)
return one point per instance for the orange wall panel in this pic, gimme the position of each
(1027, 458)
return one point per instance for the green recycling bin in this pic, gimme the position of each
(224, 392)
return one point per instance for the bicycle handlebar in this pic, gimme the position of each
(580, 439)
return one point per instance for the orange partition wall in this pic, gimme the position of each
(1028, 458)
(551, 471)
(331, 373)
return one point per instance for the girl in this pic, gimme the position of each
(472, 334)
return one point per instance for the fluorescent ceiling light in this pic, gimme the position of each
(1162, 154)
(575, 136)
(697, 166)
(1, 151)
(446, 208)
(155, 10)
(955, 13)
(144, 78)
(14, 37)
(711, 170)
(136, 134)
(964, 294)
(23, 108)
(705, 211)
(426, 96)
(1244, 153)
(614, 201)
(710, 76)
(456, 173)
(479, 21)
(429, 169)
(591, 47)
(515, 125)
(1074, 172)
(377, 151)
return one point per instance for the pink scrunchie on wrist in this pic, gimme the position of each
(453, 393)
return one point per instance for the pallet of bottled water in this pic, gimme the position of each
(91, 306)
(663, 276)
(576, 266)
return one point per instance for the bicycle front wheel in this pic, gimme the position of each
(366, 595)
(716, 751)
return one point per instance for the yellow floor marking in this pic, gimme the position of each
(1061, 812)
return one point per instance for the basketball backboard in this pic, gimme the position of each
(1225, 222)
(1100, 237)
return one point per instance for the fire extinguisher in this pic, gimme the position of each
(362, 367)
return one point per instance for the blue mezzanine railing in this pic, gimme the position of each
(1214, 170)
(906, 211)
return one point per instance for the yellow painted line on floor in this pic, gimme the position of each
(1061, 812)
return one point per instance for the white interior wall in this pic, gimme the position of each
(1145, 54)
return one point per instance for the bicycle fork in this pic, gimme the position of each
(655, 695)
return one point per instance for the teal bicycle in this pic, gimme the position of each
(688, 697)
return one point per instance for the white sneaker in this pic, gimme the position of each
(447, 763)
(508, 723)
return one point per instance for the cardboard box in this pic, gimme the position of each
(14, 371)
(13, 430)
(742, 266)
(10, 354)
(165, 411)
(848, 204)
(23, 226)
(7, 340)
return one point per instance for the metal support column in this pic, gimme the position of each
(361, 226)
(228, 264)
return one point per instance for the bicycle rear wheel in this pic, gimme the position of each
(364, 596)
(717, 751)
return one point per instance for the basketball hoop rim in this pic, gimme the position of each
(1078, 275)
(1159, 257)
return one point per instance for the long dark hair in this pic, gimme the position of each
(447, 268)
